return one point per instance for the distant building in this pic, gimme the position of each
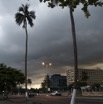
(94, 76)
(70, 76)
(58, 81)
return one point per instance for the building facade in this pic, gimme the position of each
(94, 76)
(58, 81)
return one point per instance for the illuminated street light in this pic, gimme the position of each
(50, 64)
(43, 63)
(47, 65)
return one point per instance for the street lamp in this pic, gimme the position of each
(47, 64)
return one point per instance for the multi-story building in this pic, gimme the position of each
(94, 76)
(58, 81)
(70, 76)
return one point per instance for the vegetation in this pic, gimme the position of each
(46, 83)
(96, 87)
(74, 3)
(83, 76)
(29, 81)
(25, 17)
(10, 78)
(82, 80)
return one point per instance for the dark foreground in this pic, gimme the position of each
(41, 99)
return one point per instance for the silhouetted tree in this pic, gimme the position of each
(29, 81)
(24, 16)
(46, 82)
(83, 76)
(10, 78)
(95, 86)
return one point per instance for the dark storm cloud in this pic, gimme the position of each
(50, 39)
(89, 37)
(57, 45)
(12, 36)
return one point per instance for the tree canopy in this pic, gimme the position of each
(24, 15)
(46, 82)
(10, 78)
(74, 3)
(83, 76)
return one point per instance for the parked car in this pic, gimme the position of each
(31, 94)
(55, 93)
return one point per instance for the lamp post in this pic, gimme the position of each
(47, 65)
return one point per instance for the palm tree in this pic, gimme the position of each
(83, 76)
(30, 82)
(24, 17)
(72, 4)
(74, 45)
(75, 53)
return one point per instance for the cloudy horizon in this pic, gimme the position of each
(50, 39)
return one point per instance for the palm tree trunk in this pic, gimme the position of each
(75, 56)
(26, 52)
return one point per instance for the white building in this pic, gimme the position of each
(94, 76)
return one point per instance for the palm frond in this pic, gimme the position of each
(30, 21)
(24, 16)
(55, 1)
(26, 7)
(21, 9)
(32, 14)
(19, 18)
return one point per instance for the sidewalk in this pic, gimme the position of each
(17, 100)
(90, 97)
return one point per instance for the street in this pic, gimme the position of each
(42, 99)
(66, 100)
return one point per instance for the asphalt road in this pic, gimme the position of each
(66, 100)
(52, 100)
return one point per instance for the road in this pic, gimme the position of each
(66, 100)
(52, 100)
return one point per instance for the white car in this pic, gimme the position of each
(56, 93)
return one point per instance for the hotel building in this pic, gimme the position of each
(94, 76)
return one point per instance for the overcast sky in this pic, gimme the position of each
(50, 40)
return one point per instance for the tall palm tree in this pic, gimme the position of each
(75, 53)
(25, 17)
(70, 3)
